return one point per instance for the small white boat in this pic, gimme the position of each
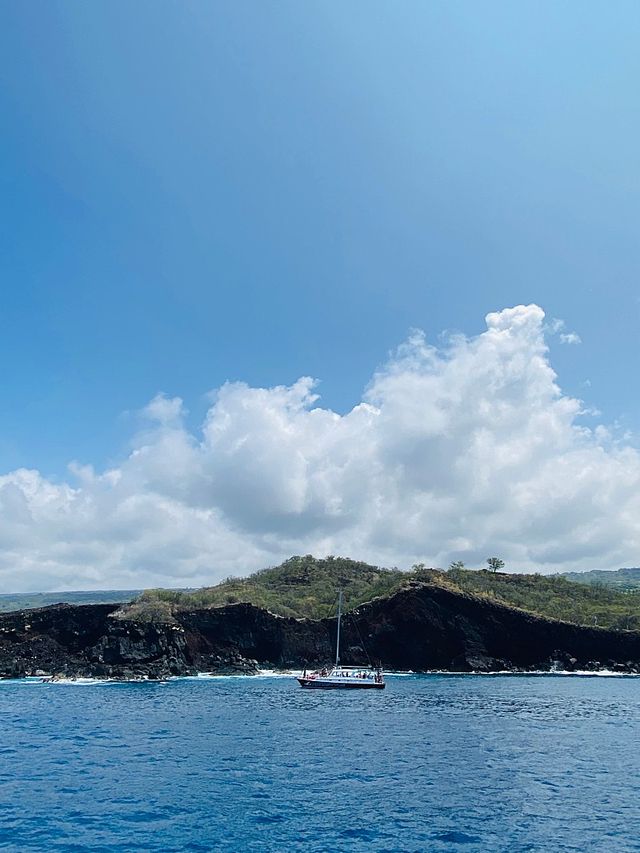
(342, 677)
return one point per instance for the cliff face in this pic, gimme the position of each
(420, 628)
(429, 627)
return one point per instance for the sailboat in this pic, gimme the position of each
(342, 677)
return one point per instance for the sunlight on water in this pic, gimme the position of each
(433, 763)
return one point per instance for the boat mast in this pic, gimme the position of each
(338, 634)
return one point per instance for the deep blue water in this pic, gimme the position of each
(433, 763)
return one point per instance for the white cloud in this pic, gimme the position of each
(570, 338)
(455, 452)
(556, 327)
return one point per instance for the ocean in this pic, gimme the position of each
(432, 763)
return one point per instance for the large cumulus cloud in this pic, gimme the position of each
(457, 451)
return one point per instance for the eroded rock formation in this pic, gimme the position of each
(422, 627)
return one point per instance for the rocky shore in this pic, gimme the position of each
(422, 627)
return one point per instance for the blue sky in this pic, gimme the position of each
(201, 192)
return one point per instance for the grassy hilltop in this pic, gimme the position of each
(622, 579)
(301, 586)
(307, 587)
(556, 597)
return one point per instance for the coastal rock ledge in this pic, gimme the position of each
(421, 627)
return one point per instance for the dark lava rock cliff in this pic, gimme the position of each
(421, 627)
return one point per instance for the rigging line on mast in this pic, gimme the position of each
(338, 631)
(364, 645)
(337, 604)
(335, 608)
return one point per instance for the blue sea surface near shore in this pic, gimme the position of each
(433, 763)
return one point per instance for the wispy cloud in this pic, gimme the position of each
(557, 327)
(570, 338)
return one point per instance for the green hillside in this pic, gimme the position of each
(25, 600)
(307, 587)
(555, 597)
(301, 586)
(622, 579)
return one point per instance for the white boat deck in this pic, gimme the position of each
(345, 677)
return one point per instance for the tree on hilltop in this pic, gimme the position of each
(495, 564)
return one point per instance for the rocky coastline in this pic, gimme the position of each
(422, 627)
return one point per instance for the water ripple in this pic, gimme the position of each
(434, 763)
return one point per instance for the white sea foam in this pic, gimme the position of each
(45, 679)
(295, 673)
(261, 673)
(563, 673)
